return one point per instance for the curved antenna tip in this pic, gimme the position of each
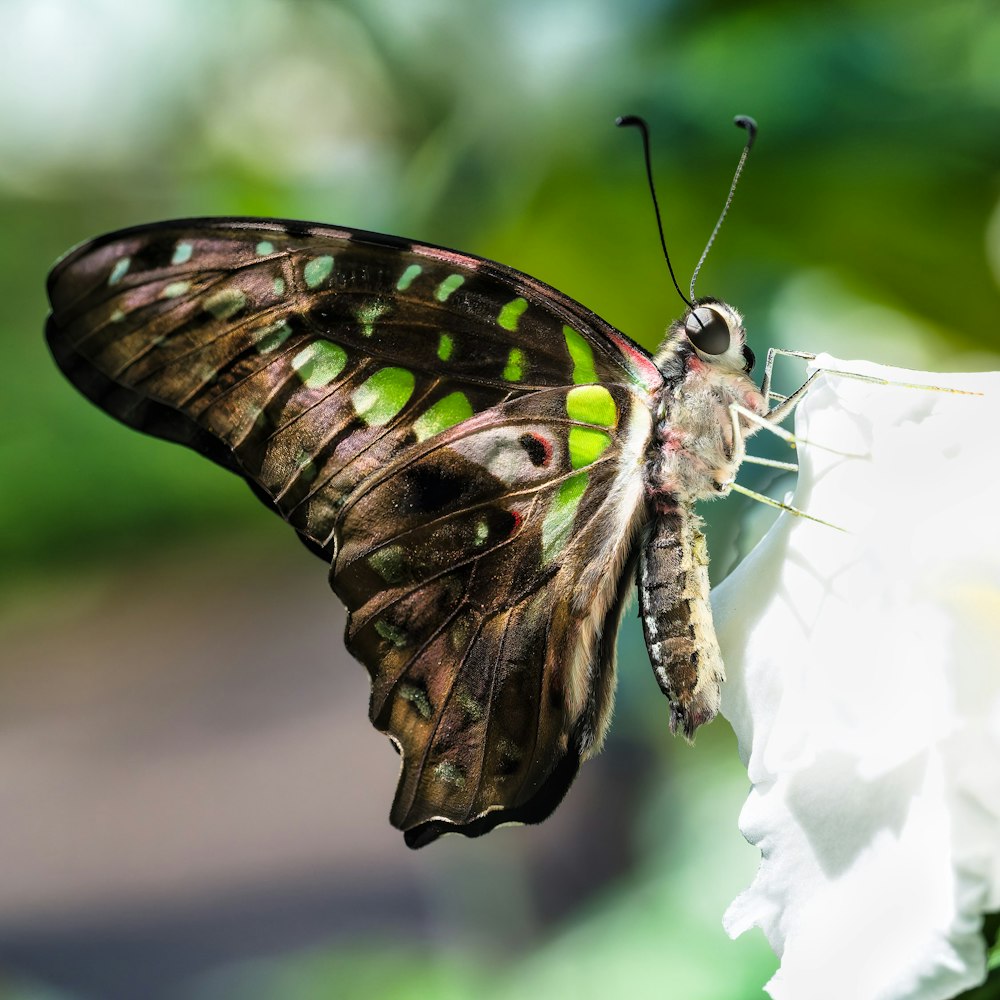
(625, 120)
(640, 123)
(750, 124)
(744, 122)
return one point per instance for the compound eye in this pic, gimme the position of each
(707, 330)
(749, 358)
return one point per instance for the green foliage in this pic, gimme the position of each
(989, 990)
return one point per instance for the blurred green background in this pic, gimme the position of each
(191, 801)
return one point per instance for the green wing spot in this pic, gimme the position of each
(368, 315)
(317, 270)
(582, 355)
(378, 399)
(445, 413)
(319, 363)
(447, 286)
(119, 270)
(450, 773)
(175, 289)
(482, 531)
(472, 708)
(306, 466)
(558, 521)
(511, 313)
(271, 337)
(586, 445)
(279, 286)
(408, 277)
(225, 303)
(264, 248)
(182, 252)
(392, 634)
(255, 416)
(389, 563)
(117, 316)
(445, 346)
(515, 365)
(417, 697)
(592, 404)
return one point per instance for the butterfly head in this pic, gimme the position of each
(711, 332)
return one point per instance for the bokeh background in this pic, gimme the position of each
(192, 803)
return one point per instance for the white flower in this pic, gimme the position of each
(864, 689)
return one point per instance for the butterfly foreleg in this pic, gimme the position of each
(788, 403)
(765, 387)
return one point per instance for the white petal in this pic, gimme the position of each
(864, 689)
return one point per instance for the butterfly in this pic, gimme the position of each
(484, 464)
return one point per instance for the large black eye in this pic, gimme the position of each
(748, 357)
(707, 330)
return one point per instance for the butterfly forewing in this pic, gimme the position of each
(462, 442)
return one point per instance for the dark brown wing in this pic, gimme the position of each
(463, 443)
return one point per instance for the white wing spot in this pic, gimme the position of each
(119, 270)
(182, 252)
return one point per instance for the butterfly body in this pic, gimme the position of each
(694, 455)
(482, 461)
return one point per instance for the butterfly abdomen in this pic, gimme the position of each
(677, 617)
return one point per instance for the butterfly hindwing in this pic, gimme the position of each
(474, 574)
(463, 443)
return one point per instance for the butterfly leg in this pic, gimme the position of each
(771, 463)
(787, 403)
(771, 502)
(765, 387)
(759, 422)
(775, 414)
(736, 412)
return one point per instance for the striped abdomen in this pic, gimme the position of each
(677, 617)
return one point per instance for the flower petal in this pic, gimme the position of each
(864, 689)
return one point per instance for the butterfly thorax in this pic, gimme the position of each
(692, 454)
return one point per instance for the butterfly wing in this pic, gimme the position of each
(461, 442)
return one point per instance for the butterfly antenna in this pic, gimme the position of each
(743, 121)
(640, 124)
